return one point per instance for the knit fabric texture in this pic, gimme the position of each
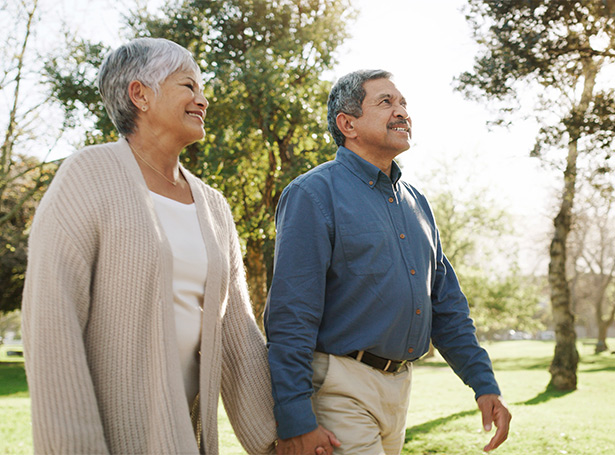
(98, 321)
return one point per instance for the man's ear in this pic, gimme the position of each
(345, 122)
(138, 94)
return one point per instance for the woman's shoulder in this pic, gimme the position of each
(88, 174)
(96, 155)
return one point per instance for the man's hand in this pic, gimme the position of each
(494, 410)
(320, 442)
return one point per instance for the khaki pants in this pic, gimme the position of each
(364, 407)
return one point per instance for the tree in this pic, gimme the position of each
(560, 49)
(263, 61)
(476, 237)
(21, 192)
(10, 322)
(22, 179)
(592, 245)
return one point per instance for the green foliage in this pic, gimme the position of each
(72, 81)
(552, 47)
(266, 122)
(262, 61)
(477, 238)
(10, 322)
(20, 191)
(499, 304)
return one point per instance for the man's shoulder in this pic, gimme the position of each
(316, 177)
(414, 191)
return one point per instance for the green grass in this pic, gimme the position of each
(15, 429)
(443, 418)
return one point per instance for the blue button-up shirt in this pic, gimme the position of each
(359, 266)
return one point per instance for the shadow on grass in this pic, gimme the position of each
(598, 370)
(12, 378)
(513, 364)
(523, 363)
(428, 427)
(549, 394)
(595, 363)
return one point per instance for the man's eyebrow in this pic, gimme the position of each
(383, 96)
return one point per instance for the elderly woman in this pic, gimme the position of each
(135, 308)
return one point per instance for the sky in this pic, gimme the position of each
(425, 44)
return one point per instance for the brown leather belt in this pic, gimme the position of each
(380, 363)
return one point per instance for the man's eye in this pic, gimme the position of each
(190, 86)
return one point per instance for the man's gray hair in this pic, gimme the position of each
(147, 60)
(347, 96)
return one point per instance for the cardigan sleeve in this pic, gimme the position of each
(65, 416)
(246, 384)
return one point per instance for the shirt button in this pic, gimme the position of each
(391, 199)
(371, 182)
(418, 311)
(412, 272)
(402, 236)
(410, 350)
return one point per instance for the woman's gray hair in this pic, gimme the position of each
(347, 96)
(147, 60)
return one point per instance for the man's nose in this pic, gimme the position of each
(401, 112)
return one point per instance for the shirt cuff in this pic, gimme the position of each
(492, 389)
(294, 419)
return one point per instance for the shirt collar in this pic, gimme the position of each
(365, 170)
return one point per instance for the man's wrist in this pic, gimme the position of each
(294, 419)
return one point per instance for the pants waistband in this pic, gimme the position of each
(380, 363)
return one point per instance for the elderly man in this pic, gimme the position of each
(361, 286)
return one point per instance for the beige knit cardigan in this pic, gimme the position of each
(98, 321)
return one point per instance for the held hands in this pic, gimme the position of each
(320, 442)
(494, 410)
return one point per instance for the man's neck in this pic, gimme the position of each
(381, 161)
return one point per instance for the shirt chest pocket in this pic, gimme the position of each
(367, 248)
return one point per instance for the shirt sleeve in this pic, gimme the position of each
(454, 334)
(295, 306)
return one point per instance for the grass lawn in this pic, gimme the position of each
(443, 418)
(15, 434)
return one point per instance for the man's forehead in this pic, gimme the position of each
(377, 89)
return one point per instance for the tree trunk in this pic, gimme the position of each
(603, 328)
(563, 367)
(256, 271)
(601, 343)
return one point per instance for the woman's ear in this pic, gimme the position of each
(345, 124)
(138, 94)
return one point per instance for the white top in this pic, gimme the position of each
(181, 226)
